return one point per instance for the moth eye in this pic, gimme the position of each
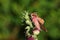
(34, 15)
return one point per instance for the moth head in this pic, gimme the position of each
(33, 15)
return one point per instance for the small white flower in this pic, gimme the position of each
(36, 32)
(27, 22)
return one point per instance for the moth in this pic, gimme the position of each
(38, 22)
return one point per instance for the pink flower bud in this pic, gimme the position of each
(30, 38)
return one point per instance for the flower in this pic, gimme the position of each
(30, 38)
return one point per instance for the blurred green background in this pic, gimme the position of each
(11, 20)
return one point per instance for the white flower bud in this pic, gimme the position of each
(36, 32)
(27, 21)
